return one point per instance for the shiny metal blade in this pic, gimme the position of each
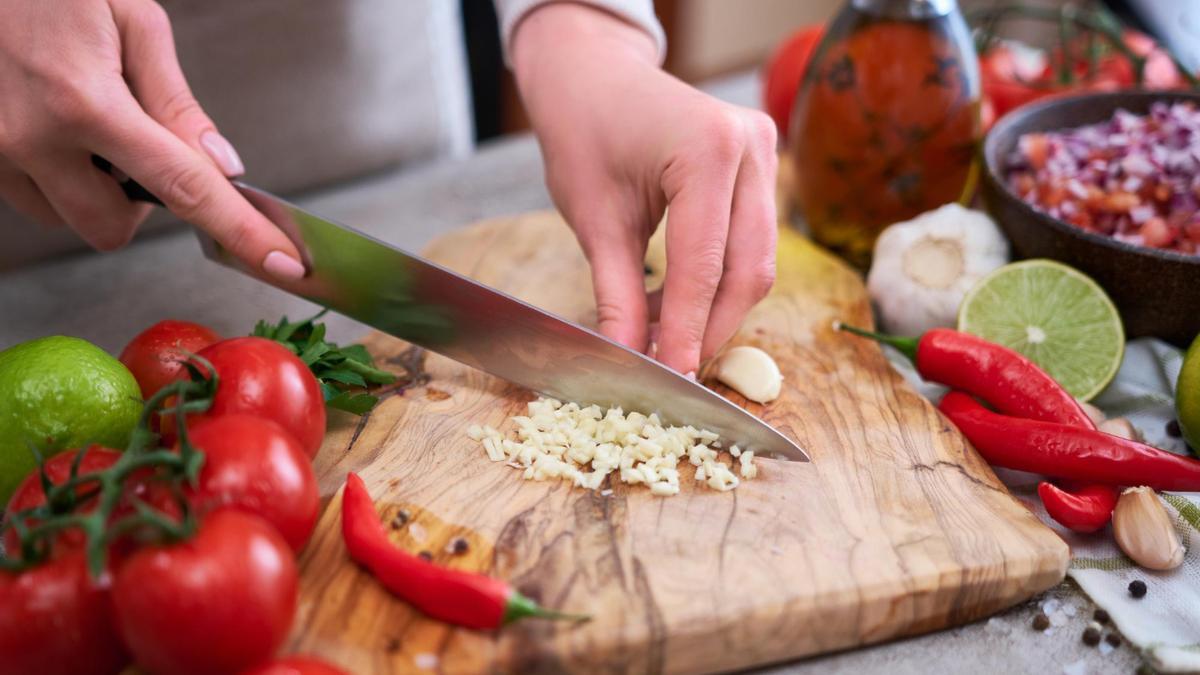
(428, 305)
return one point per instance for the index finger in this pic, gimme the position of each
(192, 188)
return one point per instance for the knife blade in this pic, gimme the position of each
(428, 305)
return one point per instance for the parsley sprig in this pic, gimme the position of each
(338, 369)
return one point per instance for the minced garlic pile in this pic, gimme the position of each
(583, 445)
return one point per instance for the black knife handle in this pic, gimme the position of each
(132, 189)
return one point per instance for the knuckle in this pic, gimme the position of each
(725, 136)
(184, 191)
(763, 133)
(707, 264)
(178, 107)
(760, 280)
(609, 311)
(153, 18)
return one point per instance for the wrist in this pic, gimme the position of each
(555, 29)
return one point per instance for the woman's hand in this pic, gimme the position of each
(622, 140)
(100, 77)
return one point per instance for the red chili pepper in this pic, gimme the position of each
(1007, 380)
(1067, 452)
(454, 596)
(1085, 509)
(1016, 386)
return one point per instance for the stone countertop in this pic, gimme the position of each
(106, 298)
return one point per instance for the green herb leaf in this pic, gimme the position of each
(338, 369)
(359, 404)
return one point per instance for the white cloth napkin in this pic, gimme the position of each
(1165, 624)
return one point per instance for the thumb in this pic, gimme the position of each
(152, 70)
(619, 284)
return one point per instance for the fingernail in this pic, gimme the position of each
(283, 266)
(691, 375)
(222, 153)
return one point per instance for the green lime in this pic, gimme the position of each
(1187, 396)
(58, 393)
(1053, 314)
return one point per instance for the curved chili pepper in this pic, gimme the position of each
(454, 596)
(1067, 452)
(1004, 378)
(1016, 386)
(1085, 509)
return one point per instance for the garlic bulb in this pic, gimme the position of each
(751, 372)
(923, 267)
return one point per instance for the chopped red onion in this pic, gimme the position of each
(1135, 178)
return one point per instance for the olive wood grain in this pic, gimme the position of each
(896, 527)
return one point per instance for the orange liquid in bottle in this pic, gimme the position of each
(886, 123)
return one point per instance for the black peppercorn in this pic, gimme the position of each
(425, 555)
(1041, 621)
(459, 546)
(1113, 640)
(1137, 588)
(401, 519)
(1091, 636)
(1173, 429)
(1101, 616)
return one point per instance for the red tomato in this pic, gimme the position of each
(220, 602)
(252, 464)
(260, 377)
(156, 354)
(295, 665)
(784, 72)
(55, 619)
(29, 493)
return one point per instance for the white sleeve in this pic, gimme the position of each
(637, 12)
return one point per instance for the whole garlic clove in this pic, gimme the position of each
(1144, 530)
(751, 372)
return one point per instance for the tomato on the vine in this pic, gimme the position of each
(220, 602)
(30, 494)
(255, 465)
(263, 378)
(156, 355)
(55, 619)
(295, 665)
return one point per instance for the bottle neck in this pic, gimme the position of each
(906, 9)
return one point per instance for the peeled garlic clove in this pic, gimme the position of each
(1121, 427)
(1095, 414)
(1144, 531)
(751, 372)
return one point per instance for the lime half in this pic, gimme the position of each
(1056, 316)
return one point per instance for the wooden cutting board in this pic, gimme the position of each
(896, 527)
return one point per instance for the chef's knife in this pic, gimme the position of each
(445, 312)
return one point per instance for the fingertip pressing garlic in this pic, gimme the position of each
(751, 372)
(1144, 530)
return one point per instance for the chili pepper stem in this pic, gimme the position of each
(521, 606)
(906, 345)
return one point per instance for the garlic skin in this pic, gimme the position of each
(1144, 531)
(924, 267)
(751, 372)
